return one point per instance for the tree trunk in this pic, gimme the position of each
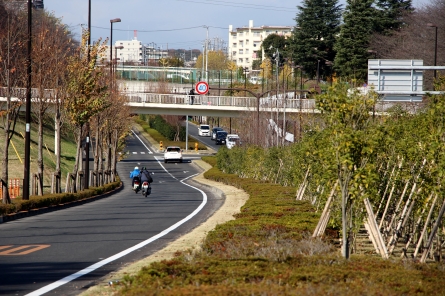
(58, 173)
(40, 165)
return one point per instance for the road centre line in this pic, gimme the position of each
(29, 249)
(121, 254)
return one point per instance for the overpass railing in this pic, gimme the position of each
(221, 101)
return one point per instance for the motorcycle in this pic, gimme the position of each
(146, 188)
(136, 186)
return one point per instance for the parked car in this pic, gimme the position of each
(204, 130)
(232, 140)
(220, 137)
(255, 80)
(173, 153)
(214, 130)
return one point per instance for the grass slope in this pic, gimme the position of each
(267, 250)
(16, 153)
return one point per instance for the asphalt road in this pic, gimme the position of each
(65, 252)
(193, 131)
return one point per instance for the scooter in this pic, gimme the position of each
(136, 185)
(146, 188)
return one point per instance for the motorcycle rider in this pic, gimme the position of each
(145, 176)
(134, 174)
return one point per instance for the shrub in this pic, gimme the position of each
(48, 200)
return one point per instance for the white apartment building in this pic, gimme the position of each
(132, 51)
(245, 42)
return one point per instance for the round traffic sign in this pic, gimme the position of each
(202, 87)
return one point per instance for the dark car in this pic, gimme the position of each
(220, 137)
(214, 130)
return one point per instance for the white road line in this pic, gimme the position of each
(149, 151)
(99, 264)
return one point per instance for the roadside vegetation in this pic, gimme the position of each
(170, 135)
(268, 250)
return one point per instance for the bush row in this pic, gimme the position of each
(158, 137)
(158, 123)
(48, 200)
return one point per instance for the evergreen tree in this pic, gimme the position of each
(390, 14)
(315, 33)
(352, 44)
(271, 44)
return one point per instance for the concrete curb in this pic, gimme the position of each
(34, 212)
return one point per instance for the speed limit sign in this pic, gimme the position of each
(202, 87)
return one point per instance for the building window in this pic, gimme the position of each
(247, 60)
(240, 51)
(240, 34)
(234, 45)
(256, 34)
(247, 51)
(240, 44)
(247, 42)
(240, 60)
(234, 53)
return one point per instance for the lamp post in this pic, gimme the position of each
(330, 64)
(245, 70)
(86, 175)
(116, 20)
(116, 58)
(207, 52)
(28, 108)
(318, 71)
(431, 25)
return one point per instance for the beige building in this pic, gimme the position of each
(245, 42)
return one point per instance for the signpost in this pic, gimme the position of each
(202, 87)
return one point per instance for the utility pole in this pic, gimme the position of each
(28, 108)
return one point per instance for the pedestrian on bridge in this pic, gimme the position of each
(192, 96)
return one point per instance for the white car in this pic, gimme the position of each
(204, 130)
(232, 140)
(173, 153)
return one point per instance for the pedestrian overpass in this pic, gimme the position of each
(203, 105)
(215, 106)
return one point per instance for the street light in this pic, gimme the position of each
(431, 25)
(86, 179)
(28, 108)
(245, 71)
(116, 58)
(330, 64)
(116, 20)
(318, 71)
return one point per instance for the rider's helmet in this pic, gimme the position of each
(144, 168)
(136, 168)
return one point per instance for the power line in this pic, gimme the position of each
(154, 31)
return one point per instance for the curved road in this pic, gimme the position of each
(65, 252)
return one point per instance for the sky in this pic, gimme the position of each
(178, 24)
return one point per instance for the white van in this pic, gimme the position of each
(232, 140)
(204, 130)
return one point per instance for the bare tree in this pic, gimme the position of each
(12, 74)
(51, 47)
